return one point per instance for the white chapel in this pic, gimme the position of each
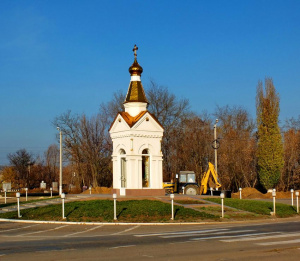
(136, 135)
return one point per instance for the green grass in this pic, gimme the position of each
(258, 207)
(102, 211)
(230, 213)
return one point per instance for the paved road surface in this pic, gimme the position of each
(270, 240)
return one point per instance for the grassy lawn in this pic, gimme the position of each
(258, 207)
(102, 211)
(230, 213)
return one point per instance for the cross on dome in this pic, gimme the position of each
(134, 51)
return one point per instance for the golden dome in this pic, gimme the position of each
(135, 68)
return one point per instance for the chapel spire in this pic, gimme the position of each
(136, 92)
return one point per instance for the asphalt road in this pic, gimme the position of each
(269, 240)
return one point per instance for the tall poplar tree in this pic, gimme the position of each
(270, 147)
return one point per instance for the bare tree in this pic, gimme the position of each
(52, 163)
(22, 161)
(170, 112)
(236, 155)
(290, 177)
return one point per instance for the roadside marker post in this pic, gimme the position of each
(240, 189)
(26, 191)
(18, 202)
(172, 205)
(211, 191)
(90, 188)
(51, 192)
(292, 196)
(222, 196)
(274, 201)
(63, 196)
(5, 195)
(115, 206)
(297, 199)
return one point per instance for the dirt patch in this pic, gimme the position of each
(98, 190)
(252, 193)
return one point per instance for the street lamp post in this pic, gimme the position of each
(26, 191)
(274, 201)
(115, 206)
(18, 203)
(292, 196)
(5, 195)
(216, 145)
(172, 205)
(60, 160)
(63, 196)
(222, 196)
(297, 199)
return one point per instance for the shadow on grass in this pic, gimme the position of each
(71, 211)
(175, 212)
(121, 212)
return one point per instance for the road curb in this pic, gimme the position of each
(148, 224)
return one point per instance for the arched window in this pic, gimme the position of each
(146, 168)
(123, 168)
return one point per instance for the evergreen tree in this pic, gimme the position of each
(270, 146)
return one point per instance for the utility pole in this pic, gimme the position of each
(216, 145)
(60, 160)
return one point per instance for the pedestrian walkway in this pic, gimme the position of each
(46, 202)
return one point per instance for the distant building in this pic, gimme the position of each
(136, 135)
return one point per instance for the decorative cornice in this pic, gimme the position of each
(122, 135)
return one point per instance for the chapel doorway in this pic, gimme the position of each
(123, 168)
(146, 168)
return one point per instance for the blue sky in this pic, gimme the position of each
(72, 55)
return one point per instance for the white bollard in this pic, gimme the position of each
(5, 195)
(222, 196)
(240, 189)
(51, 192)
(26, 190)
(292, 196)
(211, 191)
(172, 205)
(115, 206)
(18, 202)
(90, 188)
(274, 201)
(63, 196)
(297, 200)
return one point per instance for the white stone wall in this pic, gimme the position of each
(146, 134)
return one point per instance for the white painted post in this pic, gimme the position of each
(172, 205)
(222, 202)
(90, 188)
(211, 191)
(60, 160)
(5, 195)
(297, 199)
(115, 206)
(292, 195)
(51, 191)
(18, 202)
(240, 189)
(63, 196)
(26, 190)
(274, 201)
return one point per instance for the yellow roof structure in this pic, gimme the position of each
(135, 91)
